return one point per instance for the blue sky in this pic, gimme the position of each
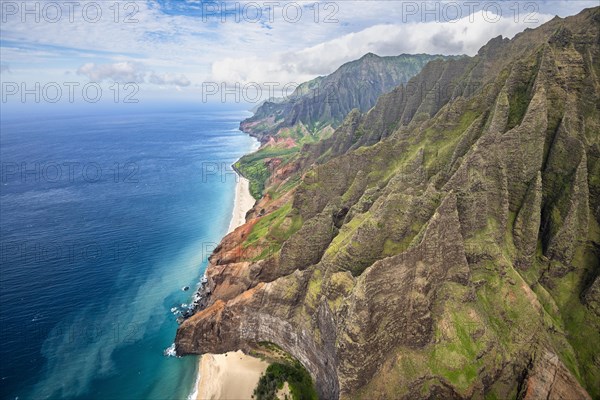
(170, 47)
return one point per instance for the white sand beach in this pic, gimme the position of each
(233, 375)
(230, 376)
(242, 204)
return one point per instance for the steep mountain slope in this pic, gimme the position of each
(325, 101)
(316, 107)
(443, 245)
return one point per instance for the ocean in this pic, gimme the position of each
(105, 218)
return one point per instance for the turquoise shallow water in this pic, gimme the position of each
(104, 219)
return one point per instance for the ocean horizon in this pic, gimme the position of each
(107, 223)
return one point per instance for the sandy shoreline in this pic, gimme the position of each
(232, 375)
(242, 204)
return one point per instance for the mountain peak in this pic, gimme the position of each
(369, 55)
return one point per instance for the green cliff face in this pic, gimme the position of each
(444, 244)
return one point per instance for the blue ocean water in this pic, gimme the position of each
(105, 217)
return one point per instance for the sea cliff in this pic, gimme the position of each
(444, 244)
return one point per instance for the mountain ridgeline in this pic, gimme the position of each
(324, 102)
(443, 244)
(317, 107)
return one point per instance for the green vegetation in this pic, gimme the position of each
(519, 99)
(517, 108)
(272, 230)
(440, 144)
(254, 167)
(576, 319)
(284, 188)
(299, 381)
(432, 148)
(301, 135)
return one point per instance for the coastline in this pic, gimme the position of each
(233, 375)
(242, 204)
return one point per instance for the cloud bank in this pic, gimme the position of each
(118, 72)
(175, 37)
(169, 79)
(463, 36)
(130, 73)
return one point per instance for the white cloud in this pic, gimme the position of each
(125, 72)
(185, 44)
(118, 72)
(464, 36)
(169, 79)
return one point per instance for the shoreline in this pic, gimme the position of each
(242, 203)
(232, 375)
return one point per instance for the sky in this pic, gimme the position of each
(231, 50)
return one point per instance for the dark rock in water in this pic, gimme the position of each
(185, 314)
(185, 288)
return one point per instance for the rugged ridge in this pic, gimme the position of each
(285, 126)
(444, 244)
(324, 102)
